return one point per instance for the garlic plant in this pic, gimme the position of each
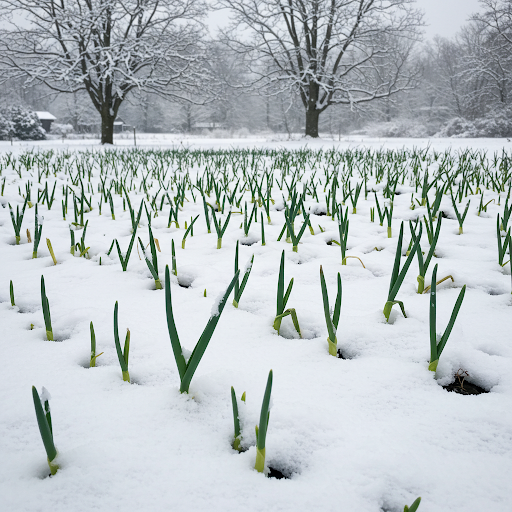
(261, 431)
(122, 355)
(46, 312)
(187, 368)
(332, 322)
(239, 288)
(437, 344)
(236, 420)
(398, 276)
(282, 300)
(44, 422)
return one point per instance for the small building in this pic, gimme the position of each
(46, 120)
(120, 126)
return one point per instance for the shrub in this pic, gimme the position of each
(397, 128)
(25, 123)
(458, 128)
(497, 123)
(5, 128)
(62, 129)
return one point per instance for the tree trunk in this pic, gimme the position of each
(312, 117)
(189, 119)
(107, 127)
(268, 113)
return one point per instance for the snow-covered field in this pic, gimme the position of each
(368, 433)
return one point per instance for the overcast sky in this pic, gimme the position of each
(445, 17)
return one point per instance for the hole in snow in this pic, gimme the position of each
(462, 386)
(185, 278)
(249, 240)
(494, 292)
(241, 449)
(27, 309)
(277, 474)
(318, 209)
(341, 355)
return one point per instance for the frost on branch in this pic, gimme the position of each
(107, 48)
(328, 52)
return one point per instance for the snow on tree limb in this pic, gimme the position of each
(106, 47)
(328, 51)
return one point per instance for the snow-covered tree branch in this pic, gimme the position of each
(328, 51)
(105, 47)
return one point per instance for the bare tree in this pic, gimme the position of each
(105, 47)
(486, 68)
(328, 51)
(447, 74)
(497, 17)
(492, 53)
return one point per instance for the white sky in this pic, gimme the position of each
(445, 17)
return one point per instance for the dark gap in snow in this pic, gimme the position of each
(278, 475)
(497, 292)
(247, 242)
(318, 209)
(340, 355)
(461, 386)
(26, 309)
(185, 279)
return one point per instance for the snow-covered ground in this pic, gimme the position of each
(366, 434)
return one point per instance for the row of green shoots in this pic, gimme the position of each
(44, 421)
(292, 210)
(187, 366)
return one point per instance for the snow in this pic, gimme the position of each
(45, 396)
(216, 305)
(247, 267)
(46, 116)
(370, 433)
